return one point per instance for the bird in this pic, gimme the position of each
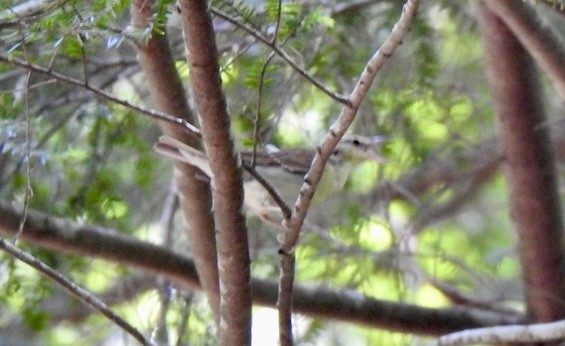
(284, 170)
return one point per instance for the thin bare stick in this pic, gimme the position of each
(280, 52)
(278, 24)
(166, 221)
(257, 122)
(289, 237)
(79, 292)
(183, 319)
(155, 114)
(338, 128)
(284, 301)
(286, 211)
(27, 155)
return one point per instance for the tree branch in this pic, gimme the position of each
(231, 236)
(168, 95)
(58, 234)
(281, 53)
(534, 333)
(338, 129)
(79, 292)
(289, 238)
(157, 115)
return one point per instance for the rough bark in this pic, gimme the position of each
(529, 167)
(168, 95)
(231, 236)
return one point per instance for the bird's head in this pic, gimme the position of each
(353, 149)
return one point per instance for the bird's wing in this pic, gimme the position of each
(175, 149)
(294, 161)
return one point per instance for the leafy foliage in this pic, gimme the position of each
(398, 229)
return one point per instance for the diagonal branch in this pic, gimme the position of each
(79, 292)
(281, 53)
(293, 226)
(157, 115)
(339, 128)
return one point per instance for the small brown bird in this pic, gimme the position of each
(284, 170)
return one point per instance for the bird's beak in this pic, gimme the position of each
(376, 140)
(375, 154)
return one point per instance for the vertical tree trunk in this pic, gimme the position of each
(231, 236)
(529, 168)
(168, 95)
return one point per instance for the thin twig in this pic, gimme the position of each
(166, 221)
(27, 156)
(278, 24)
(155, 114)
(284, 301)
(79, 292)
(83, 40)
(183, 319)
(280, 52)
(285, 209)
(237, 56)
(257, 122)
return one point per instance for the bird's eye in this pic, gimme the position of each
(356, 142)
(335, 152)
